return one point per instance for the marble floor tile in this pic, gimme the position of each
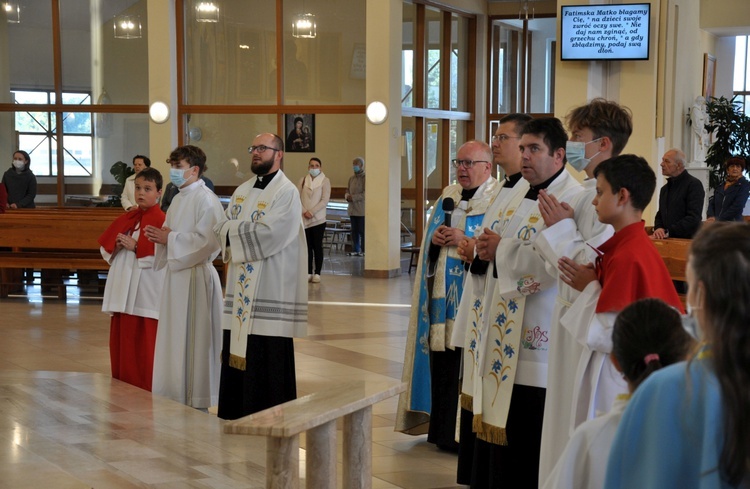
(65, 423)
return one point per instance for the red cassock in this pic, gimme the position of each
(630, 268)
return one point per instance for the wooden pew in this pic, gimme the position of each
(316, 414)
(52, 239)
(56, 238)
(674, 252)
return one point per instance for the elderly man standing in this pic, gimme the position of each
(263, 241)
(680, 200)
(431, 364)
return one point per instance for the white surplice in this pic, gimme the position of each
(133, 286)
(573, 238)
(527, 282)
(188, 339)
(583, 463)
(263, 241)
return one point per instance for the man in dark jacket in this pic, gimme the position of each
(680, 200)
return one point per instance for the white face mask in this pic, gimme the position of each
(314, 172)
(19, 164)
(575, 151)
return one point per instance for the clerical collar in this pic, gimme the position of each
(467, 194)
(263, 181)
(533, 192)
(512, 180)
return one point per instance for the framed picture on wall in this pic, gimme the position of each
(300, 130)
(709, 75)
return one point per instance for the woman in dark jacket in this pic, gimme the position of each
(20, 182)
(730, 197)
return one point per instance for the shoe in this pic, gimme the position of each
(315, 279)
(352, 253)
(361, 253)
(309, 277)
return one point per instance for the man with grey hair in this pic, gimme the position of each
(355, 195)
(680, 200)
(432, 363)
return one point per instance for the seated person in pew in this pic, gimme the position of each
(133, 289)
(628, 268)
(647, 336)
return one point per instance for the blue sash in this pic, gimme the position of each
(435, 311)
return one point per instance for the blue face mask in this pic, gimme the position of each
(575, 152)
(314, 172)
(356, 168)
(177, 177)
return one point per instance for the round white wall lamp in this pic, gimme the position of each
(195, 134)
(377, 112)
(159, 112)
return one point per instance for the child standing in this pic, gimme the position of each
(628, 268)
(647, 336)
(188, 343)
(133, 287)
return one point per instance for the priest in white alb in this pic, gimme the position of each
(263, 243)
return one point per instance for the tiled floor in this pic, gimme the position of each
(357, 329)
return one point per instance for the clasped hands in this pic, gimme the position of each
(157, 235)
(552, 210)
(485, 246)
(445, 236)
(126, 241)
(574, 274)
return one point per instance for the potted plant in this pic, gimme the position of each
(121, 171)
(730, 130)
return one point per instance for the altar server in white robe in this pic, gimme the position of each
(263, 243)
(186, 357)
(577, 387)
(513, 338)
(431, 364)
(480, 281)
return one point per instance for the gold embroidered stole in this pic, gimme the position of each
(497, 362)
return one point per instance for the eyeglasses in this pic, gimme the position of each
(466, 163)
(503, 137)
(261, 149)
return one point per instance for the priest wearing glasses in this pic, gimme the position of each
(265, 305)
(431, 364)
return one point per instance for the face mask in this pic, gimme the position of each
(19, 164)
(314, 172)
(575, 151)
(357, 168)
(690, 322)
(177, 177)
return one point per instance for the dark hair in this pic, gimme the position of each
(604, 118)
(720, 260)
(316, 159)
(630, 172)
(25, 156)
(193, 154)
(519, 120)
(550, 129)
(648, 335)
(735, 160)
(298, 119)
(146, 160)
(151, 175)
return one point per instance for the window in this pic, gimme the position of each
(741, 84)
(37, 132)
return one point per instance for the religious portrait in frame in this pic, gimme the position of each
(300, 131)
(709, 75)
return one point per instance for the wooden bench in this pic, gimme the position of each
(52, 239)
(674, 252)
(316, 414)
(56, 238)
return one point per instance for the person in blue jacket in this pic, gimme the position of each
(730, 197)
